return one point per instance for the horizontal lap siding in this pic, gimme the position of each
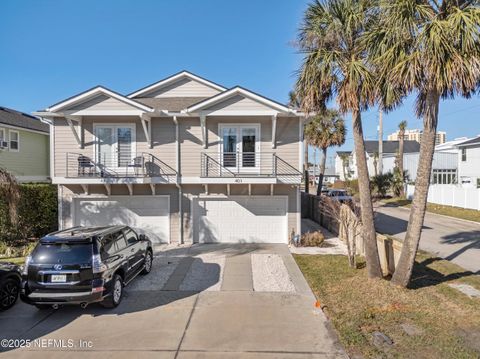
(190, 146)
(184, 88)
(102, 103)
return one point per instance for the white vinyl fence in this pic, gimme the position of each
(451, 195)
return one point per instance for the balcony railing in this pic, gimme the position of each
(245, 164)
(142, 165)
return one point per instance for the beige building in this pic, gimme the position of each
(416, 135)
(184, 159)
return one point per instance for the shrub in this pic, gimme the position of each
(352, 186)
(37, 214)
(312, 239)
(382, 183)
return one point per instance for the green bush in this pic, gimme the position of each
(37, 214)
(381, 183)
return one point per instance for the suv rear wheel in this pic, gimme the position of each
(115, 297)
(148, 262)
(8, 293)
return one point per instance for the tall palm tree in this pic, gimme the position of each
(325, 130)
(402, 126)
(345, 158)
(294, 101)
(432, 48)
(334, 64)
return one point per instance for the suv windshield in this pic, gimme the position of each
(63, 253)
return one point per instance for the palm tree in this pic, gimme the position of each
(345, 158)
(295, 102)
(375, 162)
(325, 130)
(432, 48)
(402, 126)
(334, 64)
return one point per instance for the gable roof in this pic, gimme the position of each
(22, 120)
(392, 146)
(93, 92)
(473, 141)
(170, 79)
(238, 90)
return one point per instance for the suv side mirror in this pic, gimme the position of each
(142, 237)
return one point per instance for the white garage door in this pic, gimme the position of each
(148, 213)
(240, 219)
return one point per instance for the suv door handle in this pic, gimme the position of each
(133, 249)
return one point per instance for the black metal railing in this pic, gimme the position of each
(142, 165)
(245, 164)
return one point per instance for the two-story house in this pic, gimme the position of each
(469, 163)
(184, 158)
(24, 146)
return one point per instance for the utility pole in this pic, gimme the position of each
(380, 141)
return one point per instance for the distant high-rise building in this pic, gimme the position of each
(416, 135)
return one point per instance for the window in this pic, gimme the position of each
(14, 140)
(120, 240)
(444, 176)
(108, 247)
(464, 154)
(3, 140)
(131, 236)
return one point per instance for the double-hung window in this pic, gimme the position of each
(14, 140)
(3, 140)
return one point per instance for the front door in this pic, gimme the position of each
(240, 147)
(115, 145)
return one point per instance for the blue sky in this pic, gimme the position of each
(54, 49)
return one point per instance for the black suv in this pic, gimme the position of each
(83, 265)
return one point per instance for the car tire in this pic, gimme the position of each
(9, 290)
(115, 297)
(148, 263)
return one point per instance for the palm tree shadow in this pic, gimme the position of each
(471, 240)
(424, 276)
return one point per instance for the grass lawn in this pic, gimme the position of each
(16, 260)
(447, 321)
(462, 213)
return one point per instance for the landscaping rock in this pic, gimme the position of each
(381, 340)
(411, 329)
(466, 289)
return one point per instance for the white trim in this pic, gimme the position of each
(299, 217)
(105, 113)
(115, 126)
(301, 143)
(274, 131)
(115, 180)
(238, 91)
(105, 197)
(144, 119)
(174, 78)
(4, 139)
(10, 140)
(224, 196)
(96, 91)
(225, 180)
(18, 128)
(32, 178)
(203, 128)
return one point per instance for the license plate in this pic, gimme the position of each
(59, 278)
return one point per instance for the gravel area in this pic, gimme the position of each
(162, 269)
(205, 273)
(270, 274)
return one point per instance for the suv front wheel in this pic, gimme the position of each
(148, 262)
(115, 297)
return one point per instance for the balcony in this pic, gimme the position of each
(247, 165)
(108, 166)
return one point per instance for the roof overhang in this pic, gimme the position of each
(273, 105)
(99, 90)
(172, 79)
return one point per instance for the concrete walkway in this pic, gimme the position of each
(161, 318)
(447, 237)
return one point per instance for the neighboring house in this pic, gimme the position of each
(24, 146)
(469, 163)
(184, 158)
(328, 177)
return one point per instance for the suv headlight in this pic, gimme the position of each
(28, 260)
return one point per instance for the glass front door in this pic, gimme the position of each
(114, 145)
(240, 146)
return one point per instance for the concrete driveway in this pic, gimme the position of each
(204, 301)
(450, 238)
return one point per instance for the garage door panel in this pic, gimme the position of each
(150, 214)
(254, 219)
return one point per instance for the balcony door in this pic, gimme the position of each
(240, 147)
(114, 145)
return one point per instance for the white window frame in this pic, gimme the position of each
(4, 139)
(10, 140)
(239, 127)
(130, 125)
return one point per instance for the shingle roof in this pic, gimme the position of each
(473, 141)
(170, 103)
(392, 146)
(19, 119)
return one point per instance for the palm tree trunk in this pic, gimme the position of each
(305, 168)
(400, 161)
(322, 171)
(368, 227)
(403, 272)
